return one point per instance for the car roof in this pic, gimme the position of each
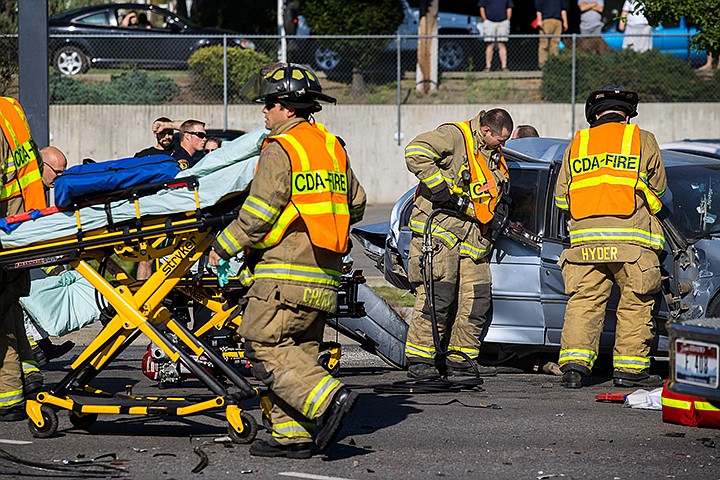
(710, 148)
(542, 150)
(95, 8)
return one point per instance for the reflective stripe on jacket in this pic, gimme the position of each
(21, 171)
(605, 172)
(319, 188)
(484, 191)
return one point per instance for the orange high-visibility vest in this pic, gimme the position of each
(604, 171)
(319, 188)
(24, 159)
(484, 191)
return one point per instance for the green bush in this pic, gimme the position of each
(207, 65)
(657, 77)
(134, 87)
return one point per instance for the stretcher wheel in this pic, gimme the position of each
(250, 428)
(83, 421)
(324, 362)
(50, 426)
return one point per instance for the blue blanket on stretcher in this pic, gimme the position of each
(86, 181)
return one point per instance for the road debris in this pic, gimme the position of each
(203, 460)
(81, 468)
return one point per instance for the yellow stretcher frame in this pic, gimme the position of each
(139, 309)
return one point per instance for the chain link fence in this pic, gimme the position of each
(185, 69)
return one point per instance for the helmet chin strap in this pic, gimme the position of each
(612, 116)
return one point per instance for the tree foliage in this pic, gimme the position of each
(656, 77)
(359, 17)
(206, 65)
(704, 14)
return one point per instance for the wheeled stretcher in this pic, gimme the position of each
(175, 224)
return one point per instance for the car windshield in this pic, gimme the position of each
(693, 197)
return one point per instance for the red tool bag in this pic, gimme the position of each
(687, 410)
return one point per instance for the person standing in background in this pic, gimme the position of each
(591, 21)
(496, 16)
(636, 27)
(551, 18)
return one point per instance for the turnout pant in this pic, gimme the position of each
(549, 45)
(282, 341)
(589, 286)
(462, 300)
(13, 342)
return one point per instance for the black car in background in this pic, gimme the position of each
(100, 36)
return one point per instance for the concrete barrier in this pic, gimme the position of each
(104, 132)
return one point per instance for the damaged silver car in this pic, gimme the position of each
(528, 293)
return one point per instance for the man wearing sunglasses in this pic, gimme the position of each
(296, 218)
(54, 164)
(192, 141)
(163, 128)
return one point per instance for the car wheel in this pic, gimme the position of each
(451, 55)
(70, 60)
(326, 59)
(713, 308)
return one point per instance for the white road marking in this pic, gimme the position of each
(15, 442)
(310, 476)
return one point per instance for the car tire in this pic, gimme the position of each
(451, 55)
(70, 60)
(713, 308)
(326, 59)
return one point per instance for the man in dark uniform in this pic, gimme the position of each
(192, 141)
(163, 130)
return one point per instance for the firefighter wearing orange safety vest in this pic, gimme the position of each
(21, 190)
(461, 168)
(296, 218)
(611, 183)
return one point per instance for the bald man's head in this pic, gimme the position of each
(55, 164)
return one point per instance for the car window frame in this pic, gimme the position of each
(105, 12)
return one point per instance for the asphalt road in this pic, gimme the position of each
(540, 430)
(520, 426)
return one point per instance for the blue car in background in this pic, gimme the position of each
(673, 39)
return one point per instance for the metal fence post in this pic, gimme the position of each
(225, 84)
(573, 82)
(399, 90)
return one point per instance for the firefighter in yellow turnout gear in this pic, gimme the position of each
(22, 190)
(296, 219)
(461, 168)
(611, 182)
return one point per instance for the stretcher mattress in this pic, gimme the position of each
(220, 173)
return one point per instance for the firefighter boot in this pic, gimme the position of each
(573, 375)
(639, 379)
(32, 383)
(418, 371)
(13, 414)
(261, 448)
(330, 422)
(455, 369)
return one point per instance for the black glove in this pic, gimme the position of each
(446, 201)
(500, 221)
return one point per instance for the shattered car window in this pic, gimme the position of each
(524, 188)
(693, 197)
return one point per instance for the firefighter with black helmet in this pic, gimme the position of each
(610, 184)
(463, 177)
(295, 221)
